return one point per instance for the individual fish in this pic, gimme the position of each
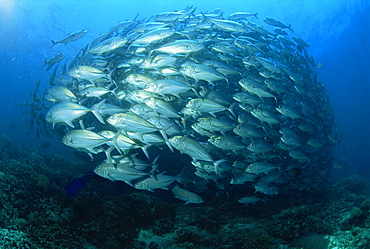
(210, 167)
(260, 146)
(60, 94)
(274, 176)
(241, 15)
(265, 188)
(63, 80)
(300, 41)
(191, 147)
(220, 67)
(285, 41)
(315, 142)
(67, 112)
(201, 72)
(300, 155)
(139, 96)
(269, 64)
(260, 168)
(229, 25)
(203, 132)
(307, 127)
(172, 16)
(291, 140)
(128, 121)
(181, 46)
(75, 186)
(87, 73)
(208, 176)
(275, 86)
(215, 96)
(280, 31)
(243, 177)
(119, 172)
(289, 111)
(200, 105)
(138, 80)
(186, 195)
(145, 27)
(143, 111)
(227, 143)
(159, 61)
(84, 139)
(249, 200)
(53, 60)
(120, 141)
(123, 25)
(108, 45)
(274, 22)
(133, 161)
(215, 124)
(162, 107)
(224, 47)
(162, 123)
(70, 38)
(257, 28)
(246, 130)
(154, 35)
(256, 88)
(95, 91)
(160, 181)
(247, 98)
(266, 116)
(162, 87)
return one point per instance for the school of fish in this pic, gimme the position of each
(239, 100)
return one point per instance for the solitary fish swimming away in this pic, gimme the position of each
(70, 38)
(186, 195)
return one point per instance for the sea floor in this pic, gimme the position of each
(36, 213)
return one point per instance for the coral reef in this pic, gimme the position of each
(36, 213)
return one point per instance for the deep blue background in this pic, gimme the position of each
(338, 33)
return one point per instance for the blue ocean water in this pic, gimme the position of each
(337, 32)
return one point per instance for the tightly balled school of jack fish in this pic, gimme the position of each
(240, 100)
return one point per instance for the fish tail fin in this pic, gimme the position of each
(290, 28)
(255, 15)
(154, 169)
(111, 79)
(108, 154)
(165, 137)
(96, 111)
(114, 91)
(231, 109)
(217, 163)
(192, 12)
(145, 150)
(53, 43)
(114, 142)
(75, 186)
(169, 145)
(205, 17)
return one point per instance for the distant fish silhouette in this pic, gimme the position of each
(75, 186)
(45, 144)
